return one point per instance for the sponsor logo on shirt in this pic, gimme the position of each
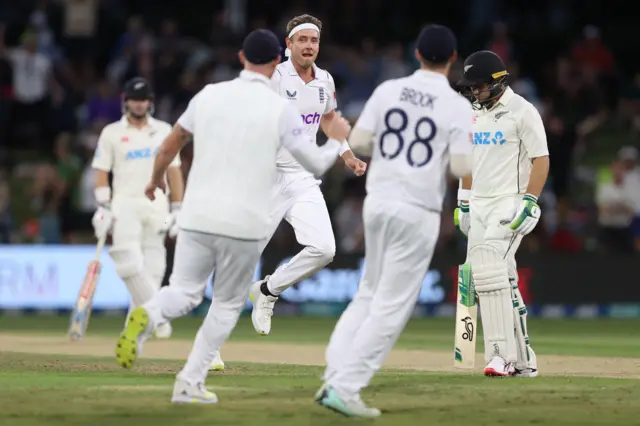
(488, 138)
(291, 95)
(140, 154)
(321, 95)
(311, 118)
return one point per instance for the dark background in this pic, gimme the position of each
(576, 61)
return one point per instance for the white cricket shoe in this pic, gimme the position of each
(499, 367)
(164, 331)
(262, 308)
(217, 364)
(186, 393)
(329, 398)
(531, 369)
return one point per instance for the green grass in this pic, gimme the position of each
(561, 337)
(55, 390)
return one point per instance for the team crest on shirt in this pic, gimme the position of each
(291, 95)
(498, 115)
(321, 94)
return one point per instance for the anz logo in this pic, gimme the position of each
(488, 138)
(137, 154)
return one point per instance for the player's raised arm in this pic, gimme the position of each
(313, 158)
(534, 139)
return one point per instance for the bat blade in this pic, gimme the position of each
(82, 310)
(466, 320)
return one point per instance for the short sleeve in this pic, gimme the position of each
(461, 130)
(103, 156)
(275, 81)
(332, 101)
(370, 114)
(532, 133)
(188, 118)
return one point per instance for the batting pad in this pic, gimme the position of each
(489, 271)
(129, 266)
(526, 356)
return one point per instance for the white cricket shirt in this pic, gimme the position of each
(505, 140)
(129, 152)
(313, 100)
(418, 122)
(238, 126)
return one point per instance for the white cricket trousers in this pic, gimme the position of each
(399, 242)
(298, 199)
(196, 256)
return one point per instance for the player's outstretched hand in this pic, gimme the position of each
(526, 217)
(150, 190)
(339, 128)
(358, 166)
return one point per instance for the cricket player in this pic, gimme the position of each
(238, 127)
(413, 127)
(138, 226)
(499, 205)
(297, 195)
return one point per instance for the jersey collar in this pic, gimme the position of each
(506, 96)
(430, 74)
(291, 69)
(151, 122)
(254, 76)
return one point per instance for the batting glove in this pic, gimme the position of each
(462, 218)
(527, 215)
(102, 220)
(171, 222)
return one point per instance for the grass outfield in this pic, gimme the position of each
(559, 337)
(53, 388)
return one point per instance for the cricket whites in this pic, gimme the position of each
(466, 320)
(82, 310)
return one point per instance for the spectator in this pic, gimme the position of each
(616, 211)
(348, 218)
(500, 43)
(45, 194)
(104, 104)
(591, 52)
(33, 83)
(6, 219)
(393, 65)
(68, 170)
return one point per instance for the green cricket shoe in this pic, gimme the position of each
(328, 398)
(130, 341)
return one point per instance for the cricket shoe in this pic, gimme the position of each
(526, 373)
(262, 307)
(328, 398)
(164, 331)
(217, 364)
(186, 393)
(129, 346)
(499, 367)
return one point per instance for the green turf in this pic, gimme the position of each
(562, 337)
(56, 390)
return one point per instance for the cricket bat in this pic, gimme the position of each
(466, 320)
(82, 310)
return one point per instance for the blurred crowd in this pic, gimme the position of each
(63, 63)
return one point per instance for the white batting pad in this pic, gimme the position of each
(489, 271)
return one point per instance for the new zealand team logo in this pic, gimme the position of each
(291, 95)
